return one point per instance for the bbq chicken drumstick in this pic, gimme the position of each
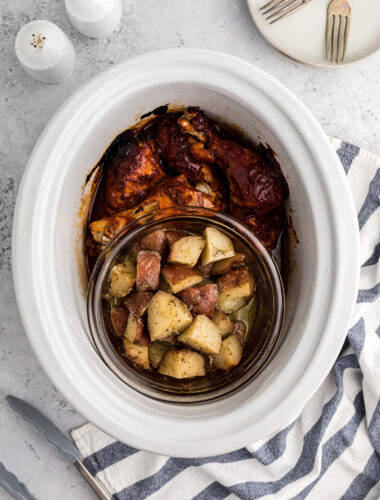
(174, 147)
(254, 182)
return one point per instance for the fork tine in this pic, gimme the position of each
(340, 36)
(286, 8)
(288, 12)
(269, 4)
(328, 35)
(346, 34)
(276, 6)
(335, 32)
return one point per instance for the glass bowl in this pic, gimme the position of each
(261, 343)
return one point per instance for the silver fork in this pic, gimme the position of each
(279, 9)
(338, 17)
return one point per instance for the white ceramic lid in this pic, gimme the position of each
(44, 262)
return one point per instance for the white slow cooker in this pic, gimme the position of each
(48, 261)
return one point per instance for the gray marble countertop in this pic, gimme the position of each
(344, 101)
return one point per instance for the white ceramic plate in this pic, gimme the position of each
(46, 236)
(301, 36)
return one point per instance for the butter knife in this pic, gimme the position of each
(13, 486)
(55, 437)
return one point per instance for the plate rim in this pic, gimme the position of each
(254, 15)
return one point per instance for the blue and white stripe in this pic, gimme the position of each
(332, 451)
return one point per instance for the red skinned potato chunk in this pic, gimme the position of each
(200, 299)
(225, 265)
(239, 330)
(119, 319)
(173, 235)
(155, 242)
(179, 277)
(206, 270)
(137, 302)
(135, 331)
(235, 289)
(148, 271)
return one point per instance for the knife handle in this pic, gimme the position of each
(91, 481)
(10, 483)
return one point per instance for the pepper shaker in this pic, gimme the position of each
(94, 18)
(45, 51)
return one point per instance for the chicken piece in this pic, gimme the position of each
(175, 148)
(132, 172)
(266, 227)
(200, 299)
(148, 271)
(103, 230)
(137, 302)
(181, 193)
(173, 191)
(253, 180)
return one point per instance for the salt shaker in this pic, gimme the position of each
(45, 51)
(94, 18)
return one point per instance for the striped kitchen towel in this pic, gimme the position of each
(331, 451)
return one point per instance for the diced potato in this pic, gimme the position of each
(186, 250)
(206, 270)
(167, 316)
(137, 302)
(137, 353)
(230, 353)
(155, 241)
(134, 325)
(135, 331)
(225, 265)
(179, 277)
(235, 289)
(246, 315)
(122, 279)
(218, 246)
(203, 335)
(200, 299)
(119, 319)
(182, 363)
(156, 352)
(172, 235)
(240, 331)
(148, 270)
(223, 322)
